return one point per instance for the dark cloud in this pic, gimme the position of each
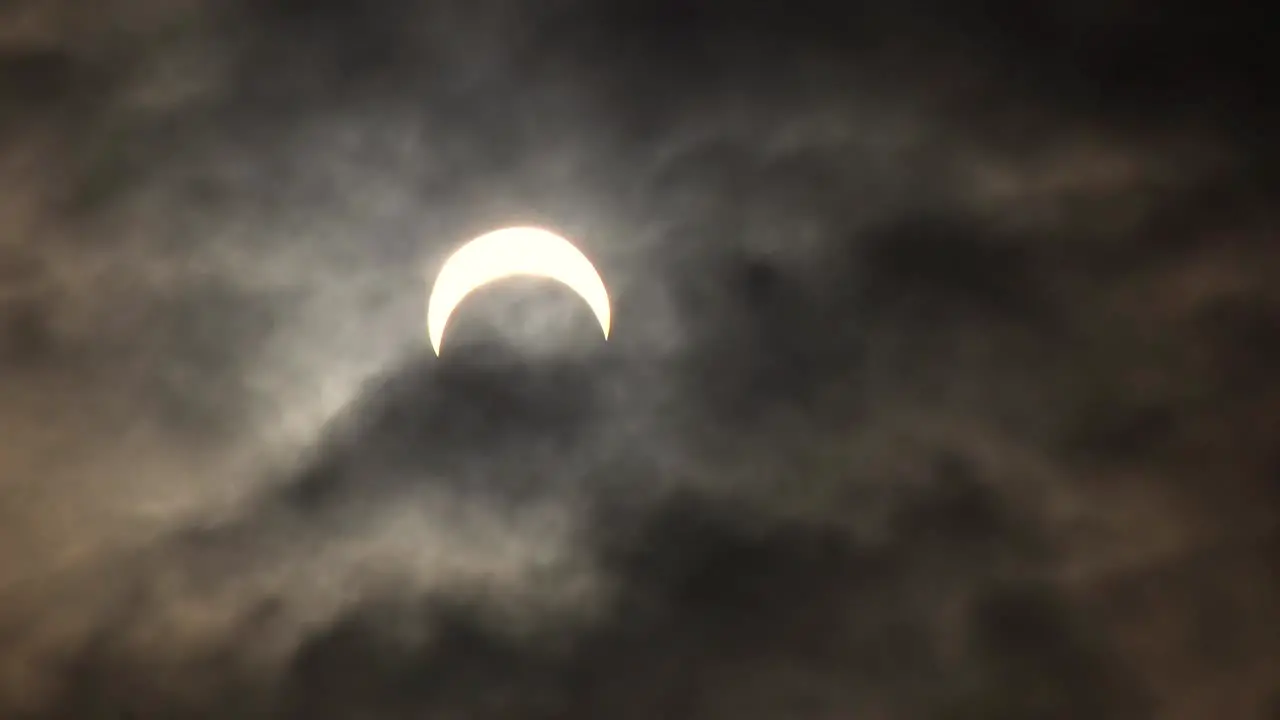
(940, 383)
(716, 614)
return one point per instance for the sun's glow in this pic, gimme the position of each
(506, 253)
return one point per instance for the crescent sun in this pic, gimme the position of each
(505, 253)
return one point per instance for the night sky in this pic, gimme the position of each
(942, 382)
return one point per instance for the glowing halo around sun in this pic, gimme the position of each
(506, 253)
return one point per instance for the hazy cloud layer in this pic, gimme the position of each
(941, 382)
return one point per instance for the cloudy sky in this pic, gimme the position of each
(941, 383)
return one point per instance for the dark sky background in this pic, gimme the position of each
(942, 382)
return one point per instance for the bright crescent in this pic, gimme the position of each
(505, 253)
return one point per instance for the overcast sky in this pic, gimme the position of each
(941, 382)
